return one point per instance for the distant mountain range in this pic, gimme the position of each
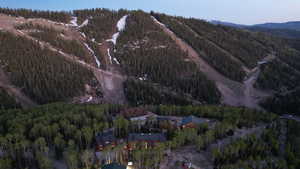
(215, 22)
(287, 25)
(289, 30)
(295, 25)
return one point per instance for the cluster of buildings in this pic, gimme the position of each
(107, 138)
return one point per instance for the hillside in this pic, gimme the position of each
(134, 57)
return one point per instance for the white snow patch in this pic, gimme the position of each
(120, 26)
(143, 78)
(110, 58)
(62, 35)
(86, 22)
(82, 34)
(96, 59)
(114, 38)
(116, 60)
(74, 22)
(122, 23)
(82, 62)
(93, 40)
(21, 32)
(262, 62)
(62, 53)
(160, 47)
(90, 99)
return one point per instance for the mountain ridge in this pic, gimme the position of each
(156, 37)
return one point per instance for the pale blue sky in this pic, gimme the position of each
(237, 11)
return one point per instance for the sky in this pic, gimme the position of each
(236, 11)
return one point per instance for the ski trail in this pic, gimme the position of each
(108, 53)
(93, 53)
(121, 25)
(233, 93)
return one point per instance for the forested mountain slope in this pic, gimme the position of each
(99, 55)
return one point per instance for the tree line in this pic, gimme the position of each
(58, 16)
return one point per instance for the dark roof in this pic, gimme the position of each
(192, 119)
(146, 137)
(106, 137)
(114, 166)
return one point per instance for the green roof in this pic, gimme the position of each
(114, 166)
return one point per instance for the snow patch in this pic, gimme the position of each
(262, 62)
(116, 60)
(74, 21)
(143, 78)
(82, 34)
(121, 27)
(62, 53)
(122, 23)
(82, 62)
(86, 22)
(110, 58)
(62, 35)
(21, 32)
(90, 99)
(114, 38)
(96, 59)
(160, 47)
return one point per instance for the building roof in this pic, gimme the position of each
(146, 137)
(106, 137)
(192, 119)
(114, 166)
